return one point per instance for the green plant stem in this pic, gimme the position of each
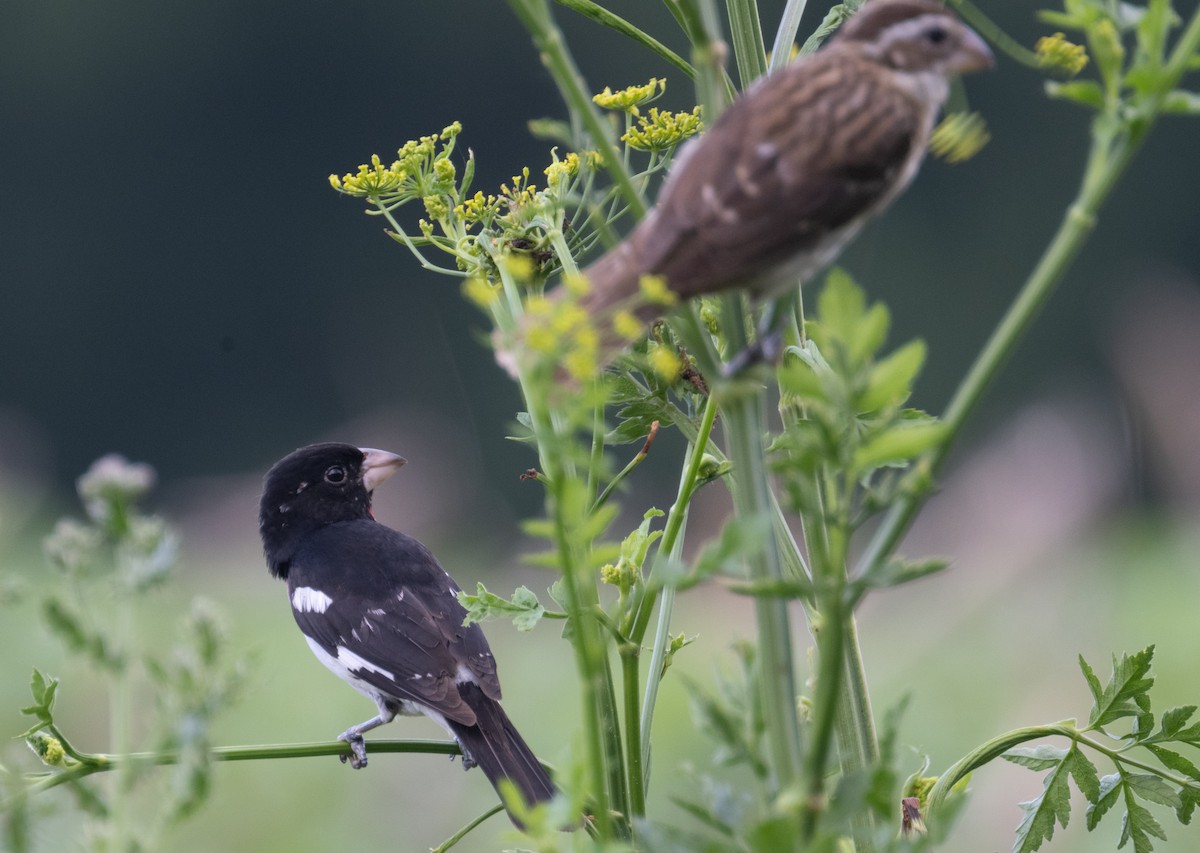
(606, 18)
(672, 546)
(104, 762)
(462, 833)
(785, 36)
(535, 15)
(746, 33)
(1110, 155)
(743, 425)
(631, 688)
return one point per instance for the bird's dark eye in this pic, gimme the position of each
(335, 474)
(936, 35)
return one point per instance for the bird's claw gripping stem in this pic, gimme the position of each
(358, 749)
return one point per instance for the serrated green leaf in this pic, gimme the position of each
(1174, 761)
(897, 571)
(1041, 814)
(1108, 794)
(1041, 757)
(523, 608)
(1147, 786)
(1138, 826)
(1084, 773)
(1175, 719)
(1125, 691)
(1189, 797)
(1093, 682)
(889, 382)
(900, 443)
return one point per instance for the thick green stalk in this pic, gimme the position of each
(744, 429)
(633, 732)
(745, 31)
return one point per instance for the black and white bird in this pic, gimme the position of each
(380, 612)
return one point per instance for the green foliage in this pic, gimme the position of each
(1150, 769)
(110, 564)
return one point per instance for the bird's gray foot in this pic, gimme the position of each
(358, 749)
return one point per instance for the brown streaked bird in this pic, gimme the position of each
(793, 169)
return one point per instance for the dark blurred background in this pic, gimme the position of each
(181, 285)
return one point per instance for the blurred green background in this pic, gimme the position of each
(181, 285)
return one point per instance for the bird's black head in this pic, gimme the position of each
(315, 486)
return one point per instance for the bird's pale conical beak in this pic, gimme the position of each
(378, 465)
(973, 55)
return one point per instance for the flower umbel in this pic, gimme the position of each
(630, 98)
(1056, 52)
(660, 131)
(959, 137)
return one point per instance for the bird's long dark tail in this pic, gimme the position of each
(495, 745)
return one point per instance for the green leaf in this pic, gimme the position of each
(841, 306)
(606, 18)
(1182, 102)
(1085, 92)
(740, 537)
(1174, 761)
(43, 690)
(1125, 691)
(898, 571)
(1107, 796)
(1087, 780)
(523, 608)
(1189, 797)
(1041, 814)
(1036, 757)
(900, 443)
(1093, 682)
(1174, 720)
(1138, 826)
(1147, 786)
(889, 382)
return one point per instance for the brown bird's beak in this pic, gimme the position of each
(378, 465)
(973, 55)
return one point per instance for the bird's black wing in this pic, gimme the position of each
(378, 603)
(784, 167)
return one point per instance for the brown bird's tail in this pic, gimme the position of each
(494, 744)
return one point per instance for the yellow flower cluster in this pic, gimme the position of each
(1056, 52)
(660, 131)
(370, 181)
(478, 208)
(655, 291)
(629, 99)
(562, 330)
(414, 159)
(561, 171)
(959, 137)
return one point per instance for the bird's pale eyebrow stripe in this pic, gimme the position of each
(309, 600)
(352, 661)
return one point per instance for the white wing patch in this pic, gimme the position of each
(309, 600)
(353, 662)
